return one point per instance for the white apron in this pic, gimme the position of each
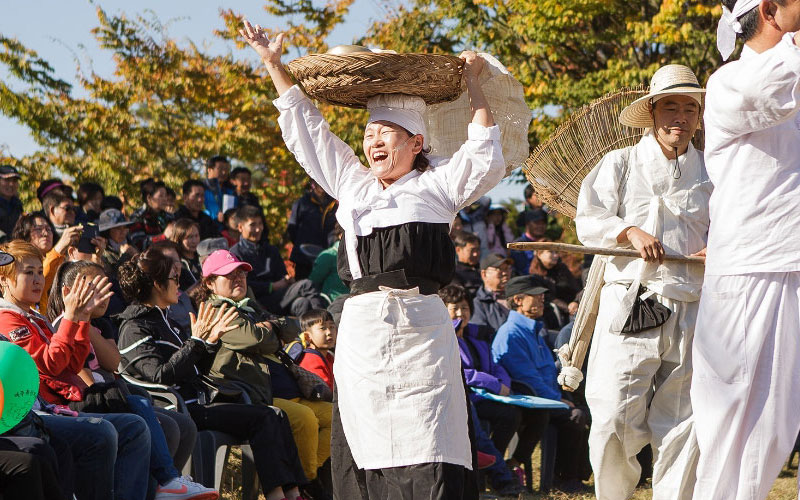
(398, 376)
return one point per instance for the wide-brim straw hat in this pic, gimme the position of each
(352, 75)
(448, 122)
(672, 79)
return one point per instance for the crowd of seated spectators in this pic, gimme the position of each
(191, 292)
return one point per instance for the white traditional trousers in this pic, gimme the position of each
(637, 388)
(398, 376)
(746, 385)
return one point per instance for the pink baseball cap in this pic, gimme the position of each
(222, 263)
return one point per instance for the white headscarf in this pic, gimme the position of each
(729, 26)
(404, 110)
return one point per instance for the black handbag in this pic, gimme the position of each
(104, 397)
(311, 385)
(219, 392)
(645, 314)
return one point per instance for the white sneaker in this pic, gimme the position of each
(183, 488)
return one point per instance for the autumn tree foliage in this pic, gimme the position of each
(169, 105)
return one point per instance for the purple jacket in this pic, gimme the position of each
(481, 372)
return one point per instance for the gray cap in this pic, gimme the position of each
(111, 218)
(210, 245)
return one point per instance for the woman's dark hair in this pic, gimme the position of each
(25, 224)
(66, 275)
(421, 162)
(180, 231)
(138, 276)
(201, 291)
(453, 294)
(87, 191)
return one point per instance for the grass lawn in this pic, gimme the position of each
(785, 487)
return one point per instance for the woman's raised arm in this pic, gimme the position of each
(270, 53)
(473, 65)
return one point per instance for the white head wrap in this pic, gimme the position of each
(404, 110)
(729, 26)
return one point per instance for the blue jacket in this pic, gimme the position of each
(520, 349)
(213, 196)
(487, 311)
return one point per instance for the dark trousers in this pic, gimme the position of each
(268, 432)
(507, 419)
(572, 454)
(430, 481)
(29, 469)
(180, 433)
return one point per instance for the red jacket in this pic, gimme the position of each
(59, 356)
(322, 365)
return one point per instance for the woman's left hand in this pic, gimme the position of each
(473, 64)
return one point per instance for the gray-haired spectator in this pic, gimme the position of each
(209, 246)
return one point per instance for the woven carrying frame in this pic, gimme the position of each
(557, 167)
(351, 79)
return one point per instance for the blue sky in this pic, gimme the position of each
(60, 32)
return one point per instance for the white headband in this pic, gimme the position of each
(404, 110)
(729, 26)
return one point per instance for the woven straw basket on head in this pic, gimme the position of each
(351, 79)
(557, 167)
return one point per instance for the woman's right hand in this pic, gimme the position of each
(269, 51)
(69, 237)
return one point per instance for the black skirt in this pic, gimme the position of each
(428, 481)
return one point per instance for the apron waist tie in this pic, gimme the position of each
(392, 279)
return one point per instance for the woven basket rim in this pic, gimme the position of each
(351, 79)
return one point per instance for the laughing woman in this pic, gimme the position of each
(400, 418)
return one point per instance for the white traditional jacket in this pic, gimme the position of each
(435, 195)
(752, 153)
(649, 197)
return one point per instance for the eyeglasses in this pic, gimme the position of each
(500, 270)
(41, 229)
(67, 208)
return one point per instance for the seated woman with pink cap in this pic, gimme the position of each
(400, 415)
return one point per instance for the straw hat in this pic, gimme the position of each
(448, 122)
(672, 79)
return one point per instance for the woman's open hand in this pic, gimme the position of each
(269, 51)
(211, 323)
(78, 300)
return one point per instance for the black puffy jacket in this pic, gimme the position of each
(154, 350)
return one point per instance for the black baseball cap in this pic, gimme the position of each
(494, 260)
(528, 285)
(8, 172)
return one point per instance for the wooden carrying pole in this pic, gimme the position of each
(616, 252)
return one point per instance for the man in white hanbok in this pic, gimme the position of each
(653, 197)
(746, 382)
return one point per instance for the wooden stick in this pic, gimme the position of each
(616, 252)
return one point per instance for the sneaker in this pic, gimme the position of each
(183, 488)
(485, 460)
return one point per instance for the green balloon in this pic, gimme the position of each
(20, 384)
